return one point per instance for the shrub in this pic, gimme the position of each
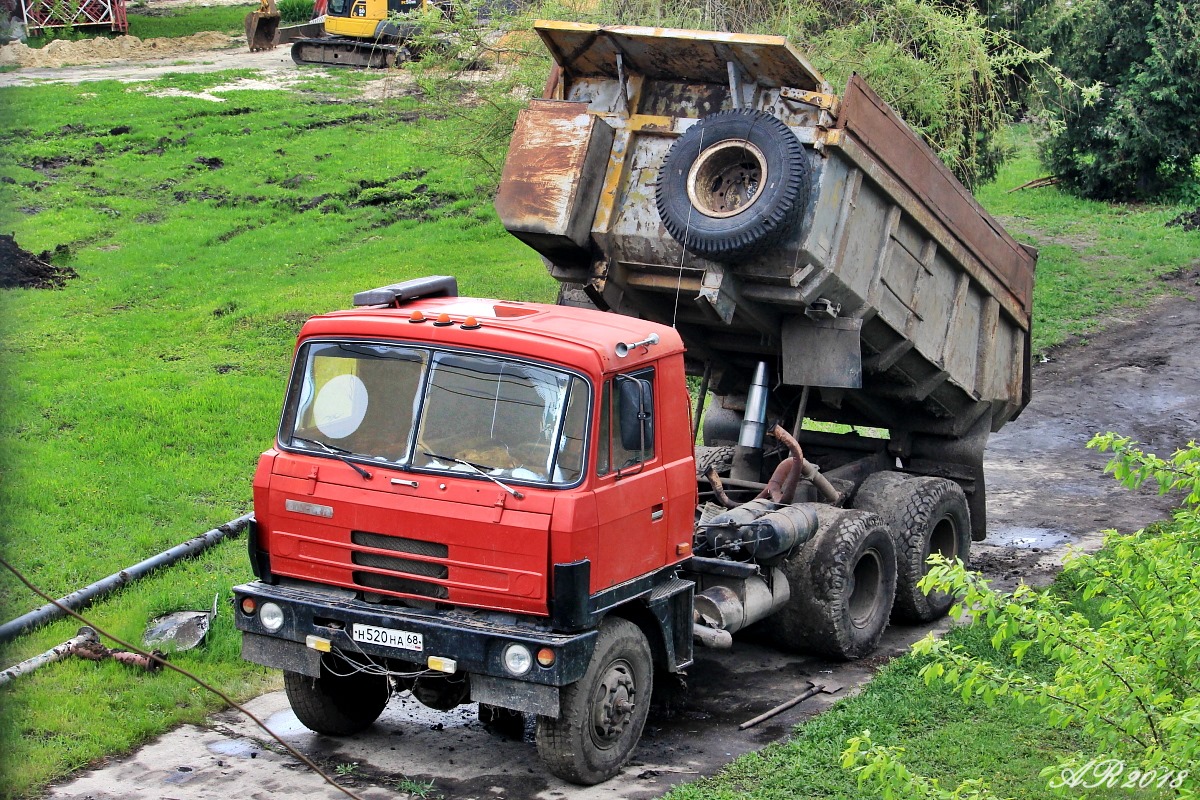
(295, 10)
(1141, 135)
(1124, 642)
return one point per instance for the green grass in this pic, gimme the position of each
(1097, 261)
(187, 20)
(135, 401)
(1006, 744)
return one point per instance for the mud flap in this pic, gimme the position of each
(281, 654)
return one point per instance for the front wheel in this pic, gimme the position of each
(340, 702)
(601, 716)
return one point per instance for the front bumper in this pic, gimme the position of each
(473, 641)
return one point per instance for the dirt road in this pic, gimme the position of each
(1140, 377)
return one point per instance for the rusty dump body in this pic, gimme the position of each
(887, 290)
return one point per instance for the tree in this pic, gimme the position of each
(1140, 138)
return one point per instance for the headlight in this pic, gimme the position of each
(517, 659)
(271, 616)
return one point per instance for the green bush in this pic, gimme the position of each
(295, 10)
(941, 68)
(1141, 135)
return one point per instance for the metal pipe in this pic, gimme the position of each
(813, 690)
(86, 635)
(748, 455)
(755, 419)
(82, 598)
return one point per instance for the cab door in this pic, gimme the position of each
(631, 482)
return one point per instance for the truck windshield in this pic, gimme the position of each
(416, 408)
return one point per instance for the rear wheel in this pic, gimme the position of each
(601, 716)
(338, 703)
(842, 584)
(926, 515)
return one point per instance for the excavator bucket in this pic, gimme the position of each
(261, 26)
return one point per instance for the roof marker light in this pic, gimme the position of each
(443, 320)
(470, 324)
(416, 316)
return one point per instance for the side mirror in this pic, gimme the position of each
(637, 415)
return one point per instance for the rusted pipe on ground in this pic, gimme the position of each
(808, 469)
(94, 651)
(718, 488)
(83, 597)
(86, 636)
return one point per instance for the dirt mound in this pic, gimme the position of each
(63, 53)
(1188, 220)
(20, 269)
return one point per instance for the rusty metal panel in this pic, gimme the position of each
(677, 55)
(553, 173)
(822, 352)
(882, 133)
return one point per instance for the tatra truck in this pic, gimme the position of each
(497, 502)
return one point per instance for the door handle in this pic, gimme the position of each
(656, 513)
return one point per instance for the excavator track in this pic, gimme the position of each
(342, 52)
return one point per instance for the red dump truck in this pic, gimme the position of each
(499, 502)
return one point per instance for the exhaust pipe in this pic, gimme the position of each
(747, 456)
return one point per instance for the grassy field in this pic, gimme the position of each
(135, 401)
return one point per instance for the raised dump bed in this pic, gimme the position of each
(715, 182)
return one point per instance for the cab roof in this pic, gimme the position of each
(564, 334)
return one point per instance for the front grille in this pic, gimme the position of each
(391, 583)
(411, 567)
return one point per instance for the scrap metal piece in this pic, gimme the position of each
(179, 630)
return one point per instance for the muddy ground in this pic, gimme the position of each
(1140, 377)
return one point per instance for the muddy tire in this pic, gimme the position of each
(733, 184)
(601, 716)
(843, 583)
(926, 515)
(719, 457)
(337, 705)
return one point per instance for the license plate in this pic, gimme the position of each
(388, 637)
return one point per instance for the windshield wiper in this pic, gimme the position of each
(479, 470)
(337, 452)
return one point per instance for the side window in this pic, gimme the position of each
(626, 422)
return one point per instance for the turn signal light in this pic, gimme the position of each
(249, 606)
(545, 657)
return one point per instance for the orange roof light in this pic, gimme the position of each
(470, 324)
(443, 320)
(416, 316)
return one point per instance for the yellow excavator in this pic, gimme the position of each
(362, 33)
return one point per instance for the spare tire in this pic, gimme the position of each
(733, 184)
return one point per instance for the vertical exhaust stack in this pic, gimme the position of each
(747, 456)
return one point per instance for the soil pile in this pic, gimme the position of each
(1189, 220)
(63, 53)
(20, 269)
